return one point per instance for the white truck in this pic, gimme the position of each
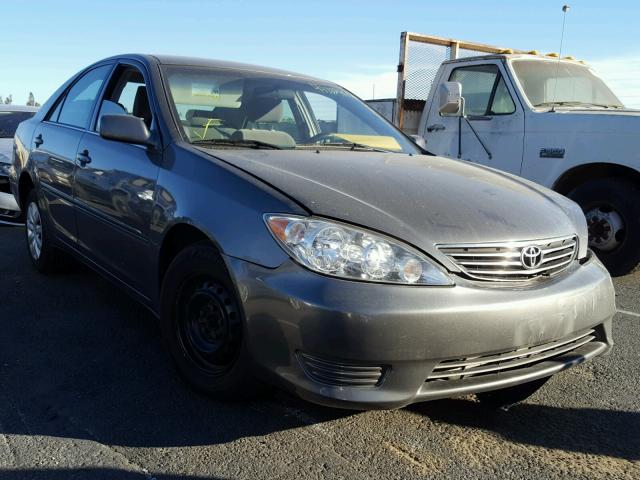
(549, 120)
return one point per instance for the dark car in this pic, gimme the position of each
(285, 233)
(10, 118)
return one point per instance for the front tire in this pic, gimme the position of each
(42, 252)
(612, 208)
(202, 325)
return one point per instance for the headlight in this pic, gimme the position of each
(349, 252)
(5, 169)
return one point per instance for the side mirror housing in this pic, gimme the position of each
(451, 102)
(125, 128)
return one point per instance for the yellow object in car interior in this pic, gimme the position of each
(373, 141)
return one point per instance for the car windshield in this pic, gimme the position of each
(9, 122)
(576, 85)
(241, 109)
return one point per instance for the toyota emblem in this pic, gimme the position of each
(531, 257)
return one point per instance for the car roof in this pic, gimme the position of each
(212, 63)
(17, 108)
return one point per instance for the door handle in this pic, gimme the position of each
(38, 140)
(83, 158)
(436, 127)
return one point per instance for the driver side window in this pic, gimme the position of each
(484, 90)
(126, 94)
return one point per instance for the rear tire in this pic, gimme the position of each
(42, 252)
(506, 397)
(612, 207)
(203, 325)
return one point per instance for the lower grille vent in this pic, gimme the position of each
(340, 374)
(458, 369)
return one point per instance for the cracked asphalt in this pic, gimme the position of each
(87, 392)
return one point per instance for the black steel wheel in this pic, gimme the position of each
(203, 325)
(208, 326)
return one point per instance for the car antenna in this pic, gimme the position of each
(565, 9)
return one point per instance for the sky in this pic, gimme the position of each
(352, 42)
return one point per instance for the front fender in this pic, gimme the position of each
(221, 201)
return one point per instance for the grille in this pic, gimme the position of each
(340, 374)
(503, 261)
(460, 368)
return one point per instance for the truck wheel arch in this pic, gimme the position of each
(593, 171)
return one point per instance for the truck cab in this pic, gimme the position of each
(552, 121)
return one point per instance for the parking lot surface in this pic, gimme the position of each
(87, 392)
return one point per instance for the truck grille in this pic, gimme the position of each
(513, 261)
(461, 368)
(340, 374)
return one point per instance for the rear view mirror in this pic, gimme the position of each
(451, 99)
(125, 128)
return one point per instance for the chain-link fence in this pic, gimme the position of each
(420, 58)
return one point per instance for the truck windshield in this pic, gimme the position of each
(230, 108)
(9, 122)
(576, 85)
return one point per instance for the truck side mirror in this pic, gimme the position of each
(451, 103)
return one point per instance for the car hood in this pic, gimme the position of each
(423, 200)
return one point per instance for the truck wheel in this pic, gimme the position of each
(43, 254)
(612, 209)
(507, 397)
(202, 325)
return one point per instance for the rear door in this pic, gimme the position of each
(115, 185)
(493, 112)
(54, 146)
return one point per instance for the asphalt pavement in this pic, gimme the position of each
(87, 392)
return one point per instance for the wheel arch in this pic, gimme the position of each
(593, 171)
(178, 237)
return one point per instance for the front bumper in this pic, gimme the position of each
(407, 331)
(9, 208)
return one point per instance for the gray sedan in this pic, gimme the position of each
(286, 234)
(10, 118)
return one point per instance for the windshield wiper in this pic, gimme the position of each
(575, 104)
(257, 144)
(350, 146)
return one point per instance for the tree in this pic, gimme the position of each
(32, 100)
(8, 100)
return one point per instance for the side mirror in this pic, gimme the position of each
(125, 128)
(420, 141)
(451, 102)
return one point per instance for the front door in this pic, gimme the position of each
(115, 186)
(491, 110)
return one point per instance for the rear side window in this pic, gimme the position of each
(78, 105)
(484, 90)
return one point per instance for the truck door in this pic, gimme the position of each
(492, 110)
